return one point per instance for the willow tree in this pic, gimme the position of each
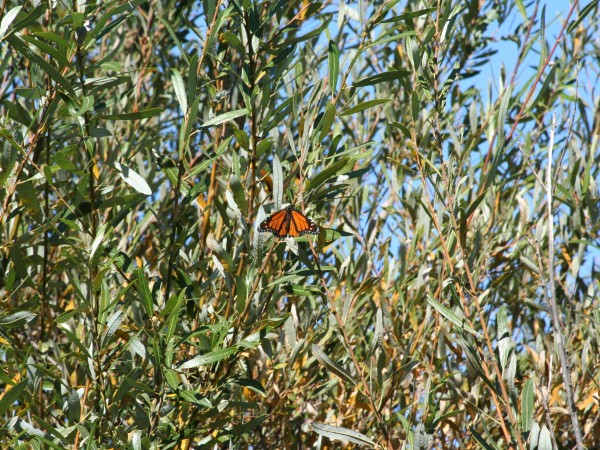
(449, 299)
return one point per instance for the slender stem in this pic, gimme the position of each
(93, 293)
(213, 173)
(173, 250)
(545, 394)
(524, 44)
(551, 298)
(173, 236)
(44, 296)
(253, 113)
(45, 265)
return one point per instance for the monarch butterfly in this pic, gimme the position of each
(288, 222)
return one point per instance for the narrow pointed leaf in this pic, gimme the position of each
(133, 179)
(341, 434)
(208, 358)
(331, 365)
(364, 105)
(225, 117)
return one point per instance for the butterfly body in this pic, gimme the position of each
(288, 222)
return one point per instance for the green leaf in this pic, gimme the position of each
(232, 204)
(216, 26)
(145, 114)
(386, 39)
(331, 171)
(410, 44)
(241, 291)
(527, 402)
(46, 48)
(114, 17)
(506, 96)
(172, 378)
(510, 374)
(192, 77)
(341, 434)
(277, 183)
(173, 309)
(63, 158)
(522, 10)
(242, 138)
(32, 17)
(405, 131)
(452, 317)
(327, 120)
(334, 66)
(11, 395)
(182, 50)
(253, 385)
(195, 398)
(529, 264)
(97, 242)
(138, 348)
(473, 206)
(545, 442)
(208, 358)
(264, 146)
(482, 442)
(462, 227)
(364, 105)
(7, 19)
(410, 15)
(583, 14)
(332, 365)
(311, 34)
(112, 325)
(448, 21)
(54, 432)
(233, 40)
(534, 435)
(415, 106)
(144, 291)
(504, 340)
(18, 113)
(475, 359)
(17, 319)
(114, 66)
(28, 195)
(239, 194)
(56, 76)
(133, 179)
(179, 88)
(383, 77)
(225, 117)
(243, 428)
(378, 333)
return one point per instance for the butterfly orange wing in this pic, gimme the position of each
(276, 223)
(300, 224)
(288, 222)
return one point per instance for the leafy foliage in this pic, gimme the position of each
(449, 301)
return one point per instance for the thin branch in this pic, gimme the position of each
(551, 298)
(540, 73)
